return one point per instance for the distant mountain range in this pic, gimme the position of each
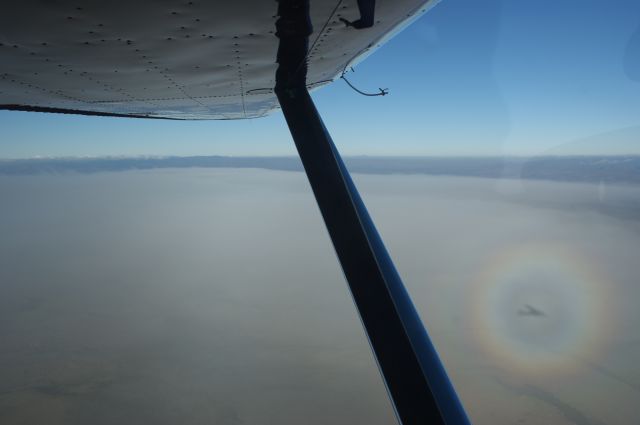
(608, 169)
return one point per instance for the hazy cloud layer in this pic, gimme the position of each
(608, 169)
(212, 296)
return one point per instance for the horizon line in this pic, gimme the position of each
(293, 156)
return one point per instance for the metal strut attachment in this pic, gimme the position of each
(416, 381)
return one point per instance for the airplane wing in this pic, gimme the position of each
(217, 60)
(172, 59)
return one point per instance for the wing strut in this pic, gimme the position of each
(416, 381)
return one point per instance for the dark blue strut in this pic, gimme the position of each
(416, 381)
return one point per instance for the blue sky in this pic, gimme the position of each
(491, 77)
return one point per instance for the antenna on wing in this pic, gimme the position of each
(382, 92)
